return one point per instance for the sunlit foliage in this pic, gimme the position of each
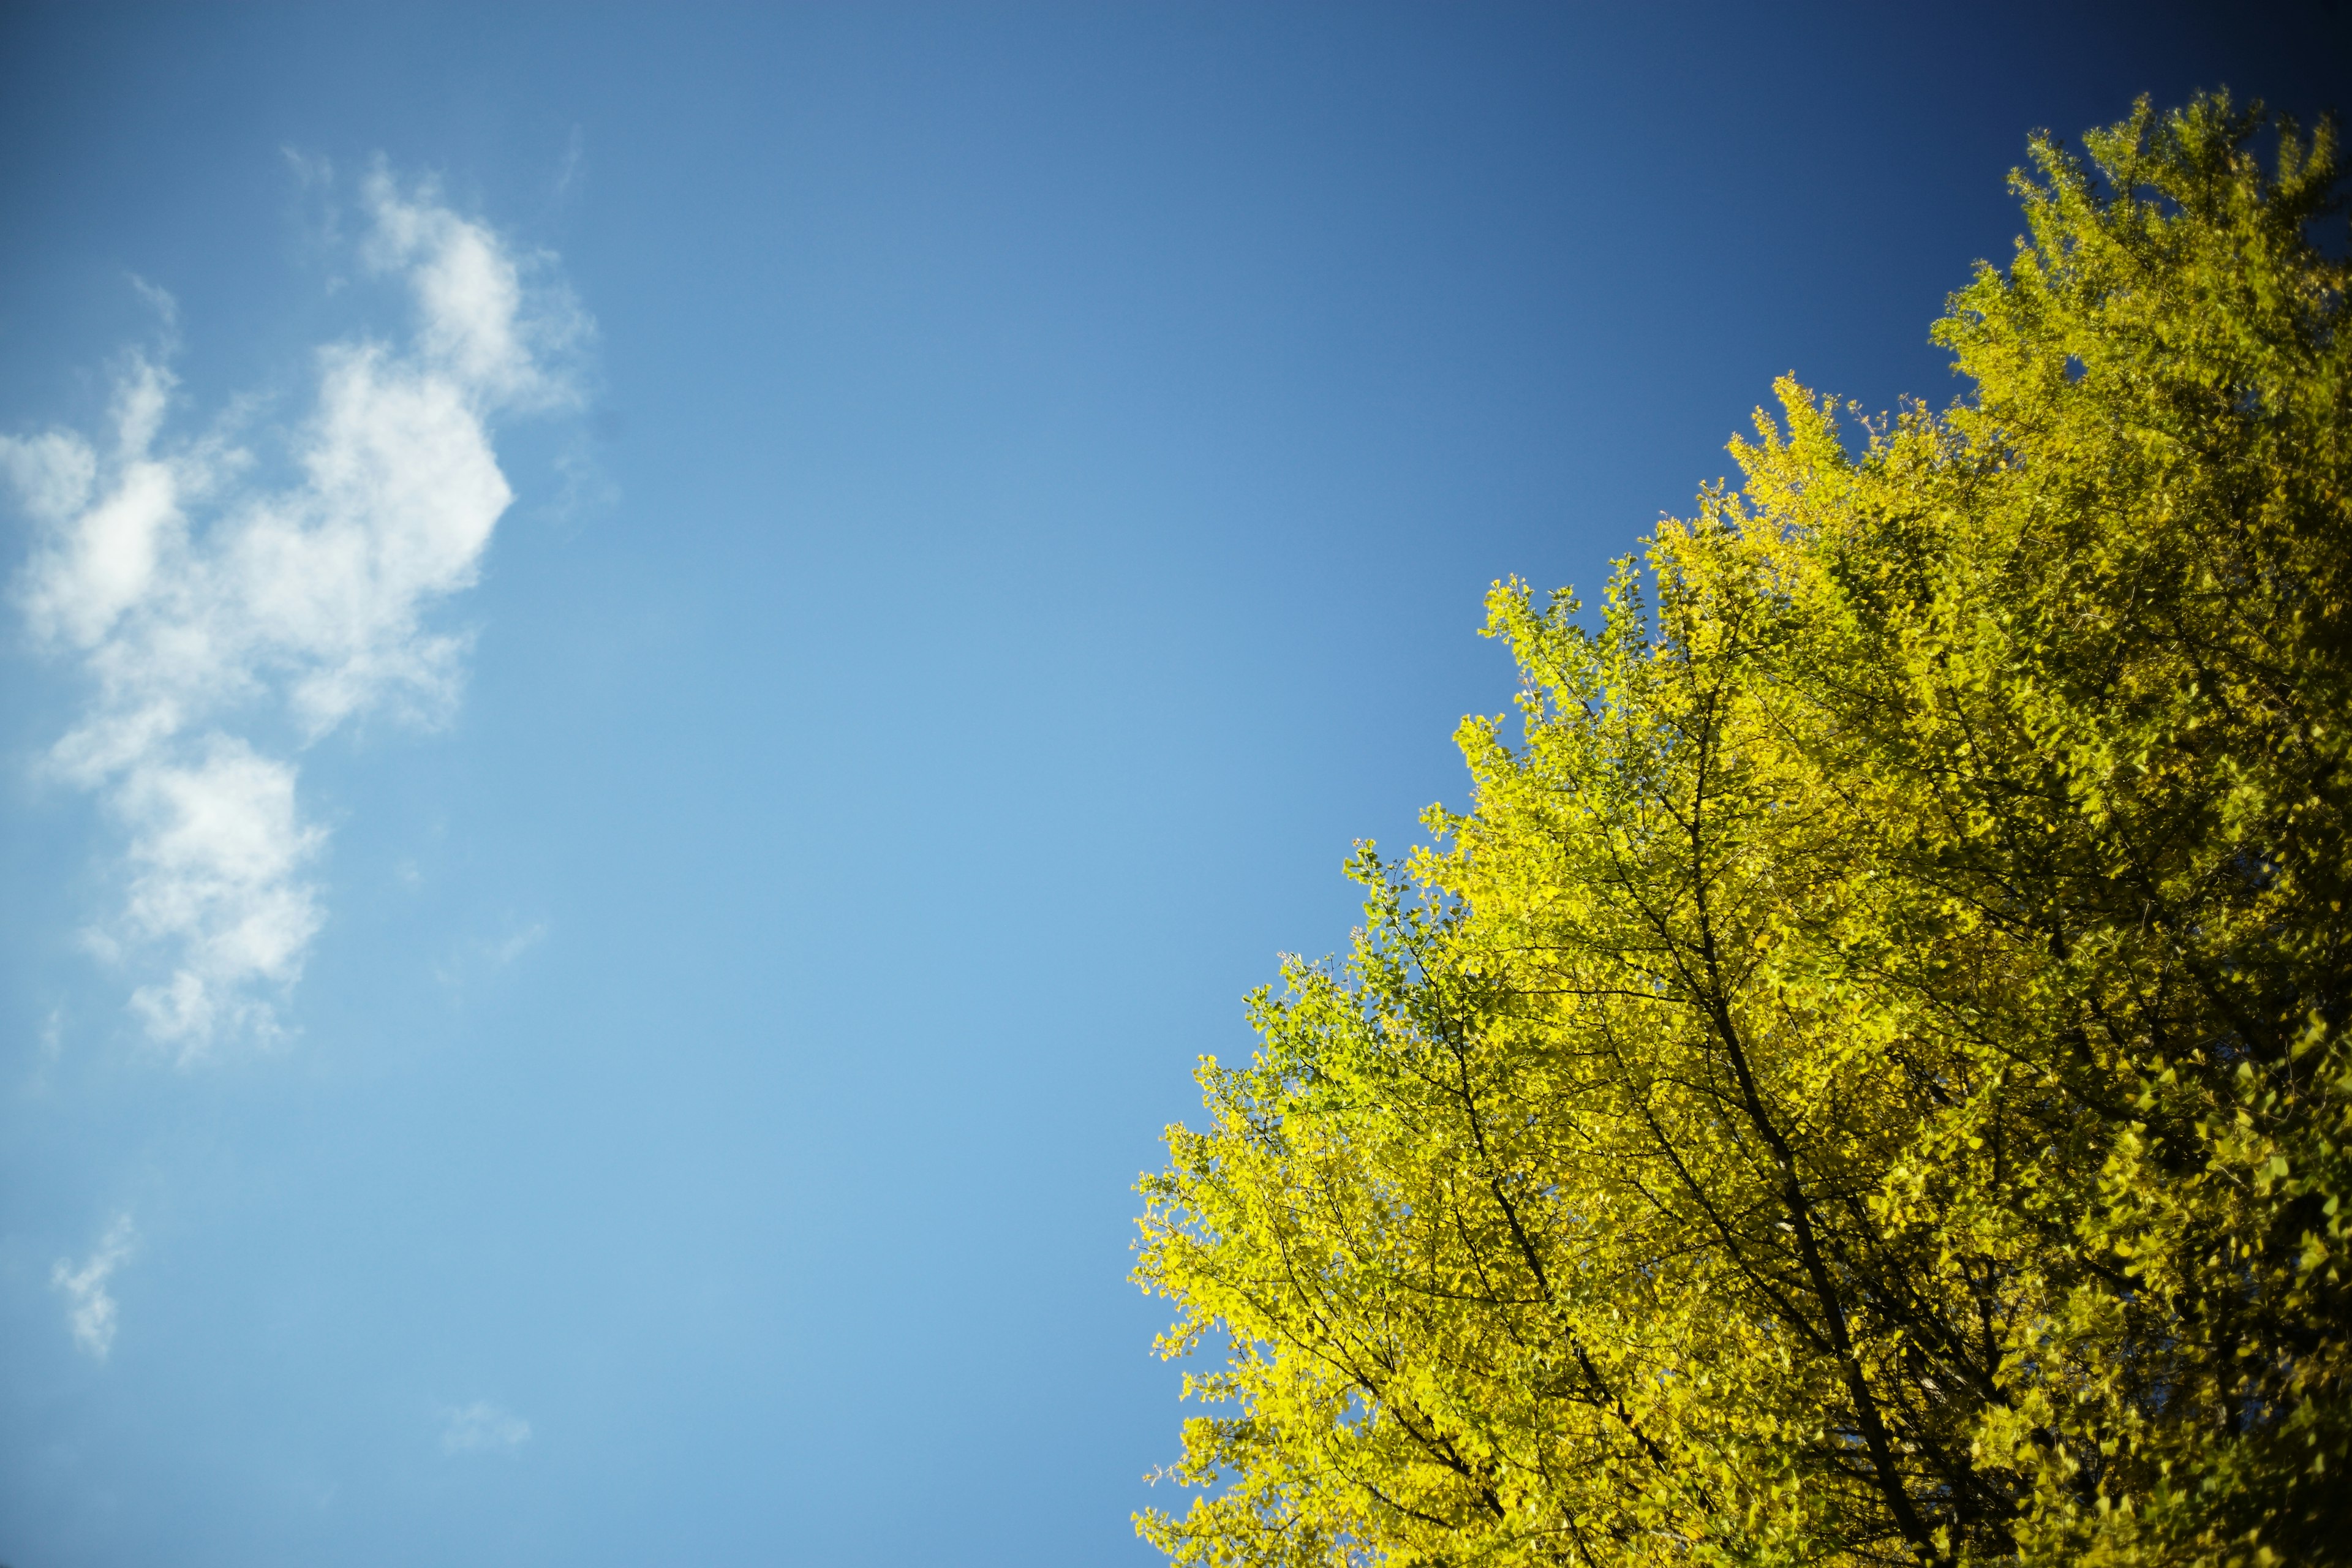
(1867, 1081)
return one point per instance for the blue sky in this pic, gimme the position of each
(665, 667)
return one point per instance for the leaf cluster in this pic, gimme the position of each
(1867, 1081)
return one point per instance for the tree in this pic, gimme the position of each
(1867, 1081)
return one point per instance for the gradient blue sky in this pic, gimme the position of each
(674, 991)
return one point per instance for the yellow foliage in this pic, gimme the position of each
(1866, 1081)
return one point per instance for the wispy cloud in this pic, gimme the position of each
(90, 1309)
(478, 959)
(515, 944)
(573, 166)
(208, 606)
(481, 1427)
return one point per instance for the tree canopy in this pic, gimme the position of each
(1867, 1080)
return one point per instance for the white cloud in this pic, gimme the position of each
(91, 1311)
(219, 849)
(204, 602)
(477, 321)
(481, 1427)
